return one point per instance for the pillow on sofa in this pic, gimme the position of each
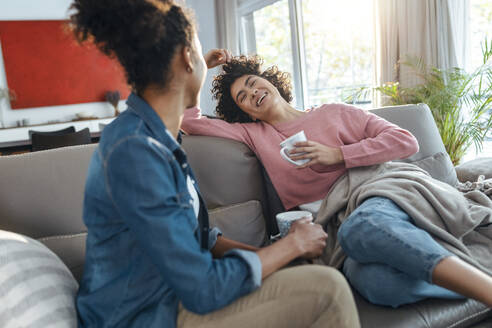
(469, 171)
(36, 288)
(440, 167)
(242, 222)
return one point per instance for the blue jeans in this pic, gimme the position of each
(389, 260)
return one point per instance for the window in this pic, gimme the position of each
(481, 28)
(326, 45)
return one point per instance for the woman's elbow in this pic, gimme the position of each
(411, 145)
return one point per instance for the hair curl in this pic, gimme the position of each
(142, 34)
(227, 108)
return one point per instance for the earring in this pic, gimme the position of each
(189, 69)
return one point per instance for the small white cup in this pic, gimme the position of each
(285, 219)
(289, 143)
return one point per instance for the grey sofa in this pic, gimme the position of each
(41, 197)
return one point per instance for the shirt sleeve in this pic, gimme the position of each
(213, 234)
(196, 124)
(141, 180)
(377, 140)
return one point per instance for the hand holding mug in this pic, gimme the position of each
(288, 144)
(313, 153)
(309, 237)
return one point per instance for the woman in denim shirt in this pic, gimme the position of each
(151, 259)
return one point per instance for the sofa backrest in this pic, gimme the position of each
(41, 196)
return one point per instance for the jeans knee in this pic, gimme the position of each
(379, 283)
(351, 233)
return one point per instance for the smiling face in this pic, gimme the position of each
(256, 96)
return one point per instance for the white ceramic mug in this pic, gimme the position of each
(289, 143)
(285, 219)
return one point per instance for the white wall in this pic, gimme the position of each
(58, 9)
(207, 32)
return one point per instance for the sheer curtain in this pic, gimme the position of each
(434, 30)
(228, 26)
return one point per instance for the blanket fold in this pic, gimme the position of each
(462, 223)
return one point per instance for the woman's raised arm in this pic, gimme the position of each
(194, 123)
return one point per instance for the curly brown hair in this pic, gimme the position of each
(142, 34)
(227, 108)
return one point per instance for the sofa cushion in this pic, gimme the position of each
(469, 171)
(432, 312)
(242, 222)
(71, 250)
(36, 288)
(43, 191)
(419, 121)
(440, 167)
(227, 171)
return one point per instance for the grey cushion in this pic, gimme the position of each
(419, 121)
(440, 167)
(45, 191)
(36, 288)
(241, 222)
(469, 171)
(70, 249)
(227, 171)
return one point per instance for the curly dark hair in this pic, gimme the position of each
(227, 108)
(142, 34)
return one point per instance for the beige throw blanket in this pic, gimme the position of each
(459, 222)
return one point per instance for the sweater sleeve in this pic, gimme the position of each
(378, 141)
(196, 124)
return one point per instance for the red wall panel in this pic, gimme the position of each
(45, 66)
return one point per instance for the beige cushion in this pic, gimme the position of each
(440, 167)
(227, 171)
(469, 171)
(42, 192)
(242, 222)
(71, 250)
(36, 288)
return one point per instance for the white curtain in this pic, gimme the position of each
(227, 25)
(434, 30)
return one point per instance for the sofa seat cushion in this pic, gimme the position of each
(36, 288)
(71, 250)
(241, 222)
(430, 313)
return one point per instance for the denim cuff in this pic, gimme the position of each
(253, 262)
(212, 237)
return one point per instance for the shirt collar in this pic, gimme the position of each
(153, 121)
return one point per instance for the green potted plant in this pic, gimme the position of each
(461, 102)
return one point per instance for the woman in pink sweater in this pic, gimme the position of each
(254, 107)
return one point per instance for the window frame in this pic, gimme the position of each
(247, 39)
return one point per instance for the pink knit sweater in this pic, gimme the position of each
(364, 139)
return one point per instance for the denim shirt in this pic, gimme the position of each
(146, 250)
